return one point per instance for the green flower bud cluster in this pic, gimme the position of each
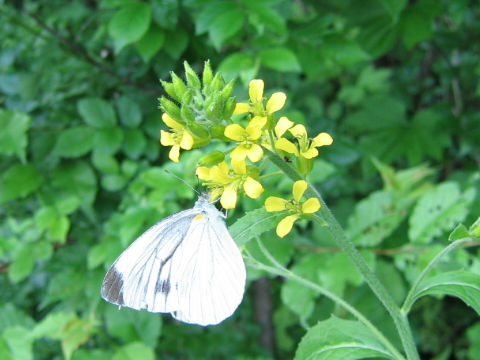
(204, 107)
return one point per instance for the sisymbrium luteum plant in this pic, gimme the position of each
(204, 110)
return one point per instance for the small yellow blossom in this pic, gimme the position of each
(247, 139)
(178, 137)
(255, 92)
(306, 148)
(295, 208)
(225, 182)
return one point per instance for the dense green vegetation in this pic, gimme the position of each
(395, 83)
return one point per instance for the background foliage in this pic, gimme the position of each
(394, 82)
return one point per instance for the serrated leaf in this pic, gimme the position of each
(13, 135)
(176, 42)
(438, 210)
(462, 284)
(253, 224)
(96, 112)
(129, 24)
(375, 218)
(18, 181)
(134, 351)
(74, 142)
(340, 339)
(280, 59)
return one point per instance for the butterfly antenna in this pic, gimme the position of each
(183, 181)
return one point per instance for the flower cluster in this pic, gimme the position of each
(203, 110)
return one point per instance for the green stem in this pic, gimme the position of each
(401, 322)
(282, 271)
(409, 300)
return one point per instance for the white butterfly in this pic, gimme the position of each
(187, 265)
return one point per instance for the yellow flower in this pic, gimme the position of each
(306, 148)
(295, 208)
(248, 140)
(178, 137)
(225, 182)
(255, 92)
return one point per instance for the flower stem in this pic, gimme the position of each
(279, 270)
(400, 320)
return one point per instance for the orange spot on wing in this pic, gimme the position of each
(199, 217)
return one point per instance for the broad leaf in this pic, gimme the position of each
(74, 142)
(225, 26)
(19, 181)
(253, 224)
(280, 59)
(96, 112)
(340, 339)
(151, 43)
(129, 24)
(13, 135)
(438, 210)
(134, 351)
(462, 284)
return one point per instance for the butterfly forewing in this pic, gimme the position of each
(187, 264)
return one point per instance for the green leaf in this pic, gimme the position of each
(151, 42)
(11, 315)
(58, 228)
(19, 342)
(105, 163)
(24, 261)
(394, 7)
(343, 51)
(280, 59)
(13, 135)
(129, 24)
(18, 181)
(135, 143)
(254, 223)
(134, 351)
(75, 142)
(418, 21)
(375, 218)
(129, 111)
(475, 228)
(438, 210)
(75, 333)
(340, 339)
(459, 232)
(108, 140)
(225, 26)
(113, 182)
(233, 65)
(77, 179)
(128, 325)
(462, 284)
(263, 15)
(52, 325)
(176, 42)
(96, 112)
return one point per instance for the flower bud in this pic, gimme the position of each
(192, 79)
(207, 75)
(170, 108)
(187, 114)
(218, 132)
(170, 90)
(217, 82)
(229, 108)
(178, 85)
(228, 89)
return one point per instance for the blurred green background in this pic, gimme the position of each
(395, 82)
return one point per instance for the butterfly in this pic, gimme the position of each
(187, 265)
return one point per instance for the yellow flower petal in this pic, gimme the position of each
(187, 141)
(255, 90)
(255, 153)
(299, 188)
(239, 153)
(310, 153)
(174, 153)
(167, 119)
(298, 130)
(285, 225)
(203, 173)
(252, 188)
(282, 125)
(229, 197)
(310, 206)
(219, 173)
(257, 121)
(322, 139)
(286, 145)
(273, 203)
(166, 138)
(235, 132)
(239, 166)
(241, 108)
(276, 102)
(254, 132)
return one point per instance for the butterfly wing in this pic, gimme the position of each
(187, 264)
(209, 271)
(140, 277)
